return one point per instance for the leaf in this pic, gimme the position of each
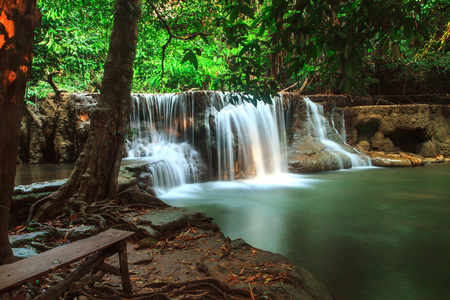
(371, 80)
(341, 35)
(347, 51)
(191, 57)
(395, 51)
(347, 86)
(234, 13)
(311, 52)
(348, 68)
(247, 11)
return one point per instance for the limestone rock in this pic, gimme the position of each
(427, 149)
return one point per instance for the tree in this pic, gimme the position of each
(96, 170)
(328, 39)
(18, 19)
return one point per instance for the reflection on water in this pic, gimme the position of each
(366, 233)
(369, 233)
(27, 174)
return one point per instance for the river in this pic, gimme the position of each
(370, 233)
(367, 233)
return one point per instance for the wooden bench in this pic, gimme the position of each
(97, 247)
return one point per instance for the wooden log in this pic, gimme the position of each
(123, 265)
(75, 286)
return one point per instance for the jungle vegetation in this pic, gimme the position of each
(256, 47)
(352, 47)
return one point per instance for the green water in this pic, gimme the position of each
(367, 234)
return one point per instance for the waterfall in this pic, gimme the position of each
(188, 137)
(161, 127)
(246, 140)
(318, 128)
(250, 139)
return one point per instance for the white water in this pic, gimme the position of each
(160, 130)
(318, 128)
(250, 140)
(258, 131)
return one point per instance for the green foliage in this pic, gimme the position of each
(256, 47)
(73, 38)
(287, 41)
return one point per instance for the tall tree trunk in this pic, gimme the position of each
(97, 168)
(18, 19)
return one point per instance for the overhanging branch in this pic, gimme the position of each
(171, 34)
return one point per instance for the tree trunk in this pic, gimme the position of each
(96, 170)
(18, 19)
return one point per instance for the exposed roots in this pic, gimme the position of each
(195, 290)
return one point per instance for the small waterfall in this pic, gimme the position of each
(250, 139)
(161, 127)
(318, 128)
(241, 139)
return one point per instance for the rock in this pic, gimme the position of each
(146, 243)
(150, 231)
(138, 197)
(382, 143)
(430, 160)
(79, 232)
(423, 129)
(166, 221)
(17, 240)
(440, 158)
(426, 149)
(39, 187)
(24, 252)
(363, 146)
(380, 159)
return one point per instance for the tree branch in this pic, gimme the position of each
(171, 34)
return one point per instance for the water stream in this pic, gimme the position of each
(318, 128)
(249, 140)
(367, 233)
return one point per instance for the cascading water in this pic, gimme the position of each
(318, 128)
(237, 140)
(249, 140)
(160, 130)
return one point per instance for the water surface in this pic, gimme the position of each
(369, 233)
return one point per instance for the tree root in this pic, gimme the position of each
(208, 288)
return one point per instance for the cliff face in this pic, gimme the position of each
(421, 129)
(55, 129)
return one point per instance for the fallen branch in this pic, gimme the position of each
(75, 286)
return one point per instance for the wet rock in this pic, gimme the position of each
(138, 197)
(24, 252)
(381, 159)
(39, 187)
(430, 160)
(17, 240)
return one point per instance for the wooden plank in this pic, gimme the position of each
(124, 273)
(46, 262)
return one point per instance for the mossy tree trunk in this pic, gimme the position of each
(18, 19)
(97, 168)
